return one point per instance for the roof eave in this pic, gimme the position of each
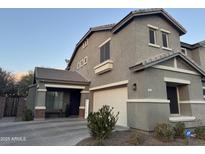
(138, 67)
(91, 30)
(63, 81)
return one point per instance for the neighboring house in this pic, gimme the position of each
(138, 66)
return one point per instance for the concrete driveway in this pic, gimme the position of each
(59, 132)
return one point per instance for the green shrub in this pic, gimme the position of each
(27, 115)
(137, 139)
(179, 130)
(164, 132)
(102, 123)
(200, 132)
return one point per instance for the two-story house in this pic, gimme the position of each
(138, 66)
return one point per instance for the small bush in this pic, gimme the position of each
(102, 123)
(179, 130)
(137, 139)
(200, 132)
(164, 132)
(27, 115)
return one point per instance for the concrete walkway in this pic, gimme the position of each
(53, 132)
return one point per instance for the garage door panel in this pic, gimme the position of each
(115, 98)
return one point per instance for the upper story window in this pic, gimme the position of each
(184, 51)
(85, 43)
(165, 40)
(152, 36)
(105, 51)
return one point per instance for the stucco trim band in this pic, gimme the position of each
(153, 27)
(81, 107)
(64, 86)
(84, 92)
(40, 108)
(103, 63)
(175, 69)
(182, 118)
(163, 101)
(104, 67)
(175, 80)
(192, 102)
(41, 90)
(110, 85)
(165, 31)
(104, 42)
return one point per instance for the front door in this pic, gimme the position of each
(172, 96)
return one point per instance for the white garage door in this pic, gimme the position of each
(115, 98)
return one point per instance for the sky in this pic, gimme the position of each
(46, 37)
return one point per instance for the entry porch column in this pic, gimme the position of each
(40, 104)
(84, 97)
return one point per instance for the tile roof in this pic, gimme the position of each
(58, 75)
(193, 46)
(163, 57)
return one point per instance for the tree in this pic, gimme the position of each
(7, 83)
(23, 84)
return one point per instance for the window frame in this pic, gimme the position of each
(155, 36)
(105, 57)
(85, 43)
(167, 39)
(85, 60)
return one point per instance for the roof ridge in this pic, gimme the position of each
(147, 10)
(106, 25)
(51, 68)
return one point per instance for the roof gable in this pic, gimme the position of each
(114, 28)
(163, 58)
(145, 12)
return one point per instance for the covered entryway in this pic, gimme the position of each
(115, 97)
(58, 93)
(62, 102)
(177, 91)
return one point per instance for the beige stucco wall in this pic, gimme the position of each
(151, 85)
(142, 37)
(154, 79)
(145, 116)
(202, 57)
(127, 47)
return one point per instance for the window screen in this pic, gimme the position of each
(105, 52)
(165, 40)
(152, 36)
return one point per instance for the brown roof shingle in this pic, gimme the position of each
(58, 75)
